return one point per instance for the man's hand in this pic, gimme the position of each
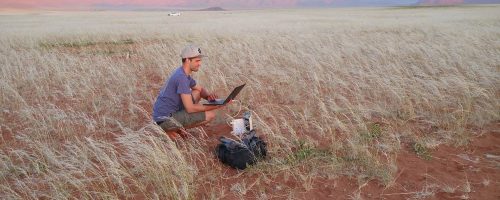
(212, 97)
(204, 94)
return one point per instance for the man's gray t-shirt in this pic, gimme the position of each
(169, 99)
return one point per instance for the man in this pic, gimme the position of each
(177, 105)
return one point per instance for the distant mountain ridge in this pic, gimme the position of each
(440, 2)
(212, 9)
(452, 2)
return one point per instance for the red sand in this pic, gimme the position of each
(468, 172)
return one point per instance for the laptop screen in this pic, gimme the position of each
(234, 93)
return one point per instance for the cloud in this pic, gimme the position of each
(191, 3)
(224, 3)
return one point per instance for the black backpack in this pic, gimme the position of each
(241, 154)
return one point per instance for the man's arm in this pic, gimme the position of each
(204, 93)
(190, 107)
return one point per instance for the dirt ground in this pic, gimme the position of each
(466, 172)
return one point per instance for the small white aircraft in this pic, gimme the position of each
(174, 14)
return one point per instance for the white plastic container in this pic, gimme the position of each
(238, 126)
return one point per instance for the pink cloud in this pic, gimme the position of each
(191, 3)
(196, 3)
(78, 3)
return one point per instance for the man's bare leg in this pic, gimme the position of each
(172, 134)
(209, 116)
(196, 96)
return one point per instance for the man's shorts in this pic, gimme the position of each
(181, 119)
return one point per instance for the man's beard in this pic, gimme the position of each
(194, 69)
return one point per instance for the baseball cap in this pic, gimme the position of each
(191, 51)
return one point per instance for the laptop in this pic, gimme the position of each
(231, 96)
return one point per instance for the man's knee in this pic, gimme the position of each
(210, 115)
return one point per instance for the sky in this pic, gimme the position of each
(220, 3)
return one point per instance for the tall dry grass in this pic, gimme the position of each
(334, 91)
